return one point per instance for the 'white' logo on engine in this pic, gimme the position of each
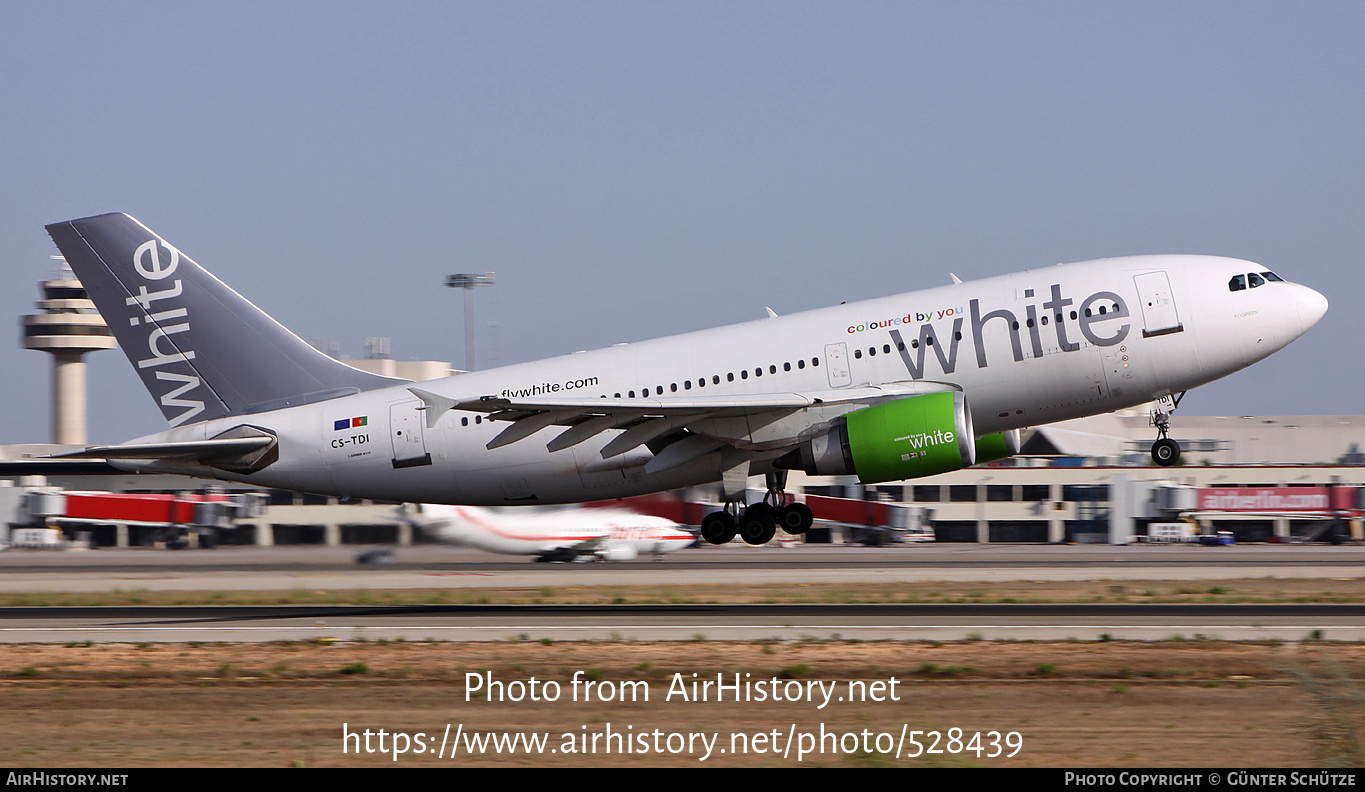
(936, 437)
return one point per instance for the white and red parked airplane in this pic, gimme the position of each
(556, 534)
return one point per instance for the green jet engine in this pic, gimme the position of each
(1000, 445)
(902, 439)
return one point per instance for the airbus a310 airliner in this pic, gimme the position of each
(885, 389)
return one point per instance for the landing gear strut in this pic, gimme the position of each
(1165, 451)
(757, 523)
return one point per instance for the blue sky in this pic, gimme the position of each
(635, 169)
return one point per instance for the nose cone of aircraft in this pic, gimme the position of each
(1311, 306)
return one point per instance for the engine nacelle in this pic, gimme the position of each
(907, 438)
(999, 445)
(618, 551)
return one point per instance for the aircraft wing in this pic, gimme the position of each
(701, 424)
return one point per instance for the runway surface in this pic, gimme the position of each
(439, 567)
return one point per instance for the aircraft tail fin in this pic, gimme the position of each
(203, 351)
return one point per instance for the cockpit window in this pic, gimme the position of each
(1238, 283)
(1270, 276)
(1256, 280)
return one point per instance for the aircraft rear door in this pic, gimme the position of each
(405, 432)
(1159, 315)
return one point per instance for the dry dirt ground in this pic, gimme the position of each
(1112, 704)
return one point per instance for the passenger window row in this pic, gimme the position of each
(929, 340)
(872, 351)
(700, 382)
(688, 384)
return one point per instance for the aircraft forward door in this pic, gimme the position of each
(405, 432)
(1159, 314)
(836, 365)
(1119, 373)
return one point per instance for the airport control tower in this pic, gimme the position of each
(70, 327)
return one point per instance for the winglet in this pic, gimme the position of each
(434, 404)
(955, 278)
(771, 313)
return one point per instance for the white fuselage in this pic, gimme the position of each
(1132, 329)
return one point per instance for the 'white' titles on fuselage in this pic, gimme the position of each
(1098, 307)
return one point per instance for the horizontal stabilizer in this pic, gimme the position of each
(192, 449)
(434, 405)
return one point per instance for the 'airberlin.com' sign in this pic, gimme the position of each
(1275, 498)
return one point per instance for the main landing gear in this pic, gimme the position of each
(1165, 451)
(757, 523)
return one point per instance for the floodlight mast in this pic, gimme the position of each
(468, 281)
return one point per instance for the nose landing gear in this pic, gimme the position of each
(1165, 451)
